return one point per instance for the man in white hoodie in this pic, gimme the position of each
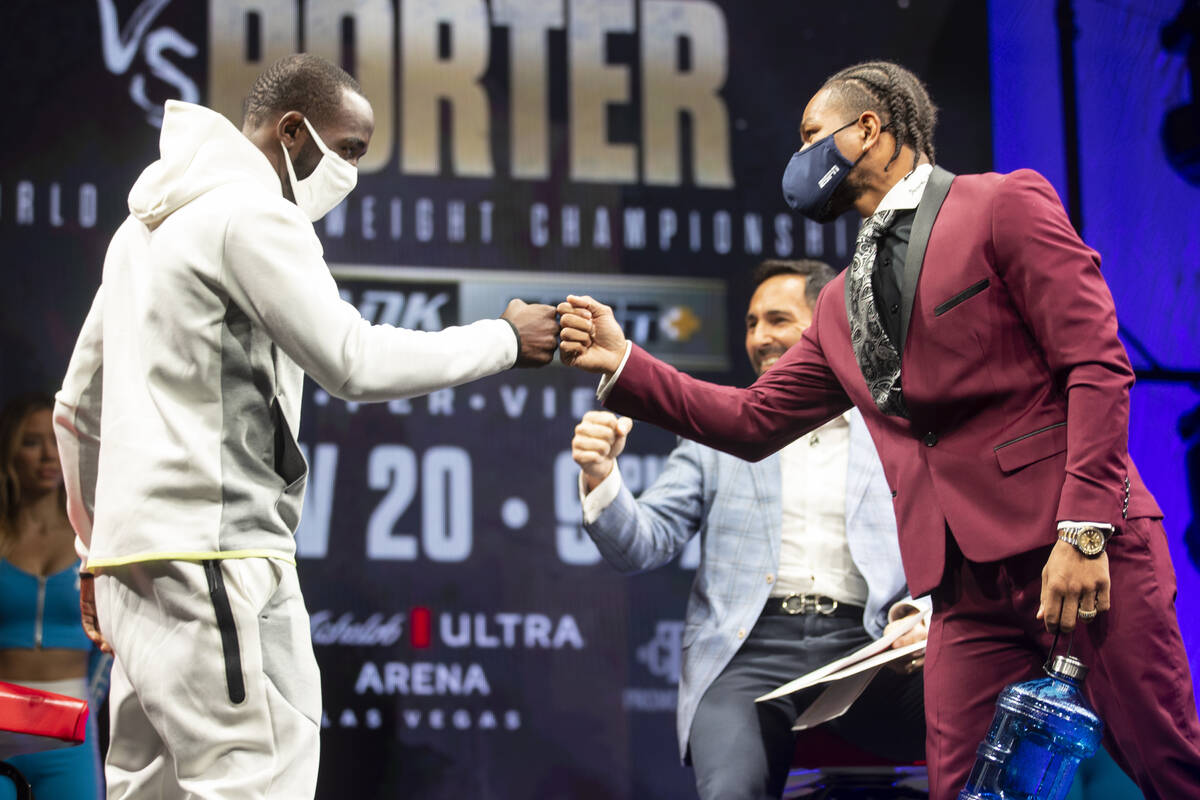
(177, 426)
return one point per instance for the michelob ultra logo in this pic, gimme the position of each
(457, 630)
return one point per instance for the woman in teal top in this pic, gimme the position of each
(42, 643)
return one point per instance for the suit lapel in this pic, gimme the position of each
(931, 203)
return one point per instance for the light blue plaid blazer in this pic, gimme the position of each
(735, 507)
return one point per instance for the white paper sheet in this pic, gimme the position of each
(875, 653)
(835, 700)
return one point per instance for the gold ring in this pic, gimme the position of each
(1087, 615)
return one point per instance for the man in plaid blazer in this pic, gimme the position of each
(799, 565)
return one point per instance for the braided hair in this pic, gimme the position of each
(300, 82)
(897, 95)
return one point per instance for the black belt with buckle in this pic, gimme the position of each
(798, 604)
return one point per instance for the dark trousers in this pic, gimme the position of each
(984, 636)
(742, 750)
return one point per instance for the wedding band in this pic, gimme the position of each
(1086, 615)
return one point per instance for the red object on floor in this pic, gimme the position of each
(25, 710)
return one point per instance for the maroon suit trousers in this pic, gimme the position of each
(984, 636)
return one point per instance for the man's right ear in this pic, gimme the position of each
(290, 128)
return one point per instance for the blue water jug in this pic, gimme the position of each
(1042, 729)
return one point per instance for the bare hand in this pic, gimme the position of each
(538, 328)
(1071, 581)
(599, 439)
(590, 338)
(918, 633)
(87, 611)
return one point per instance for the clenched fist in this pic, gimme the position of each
(537, 330)
(591, 338)
(599, 439)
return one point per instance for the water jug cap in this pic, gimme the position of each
(1070, 668)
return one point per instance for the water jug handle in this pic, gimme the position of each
(1054, 644)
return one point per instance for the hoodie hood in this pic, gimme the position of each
(200, 150)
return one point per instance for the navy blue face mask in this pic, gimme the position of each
(814, 174)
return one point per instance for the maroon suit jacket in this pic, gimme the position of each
(1015, 381)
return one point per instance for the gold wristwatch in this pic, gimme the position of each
(1087, 539)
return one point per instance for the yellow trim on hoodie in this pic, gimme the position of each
(95, 563)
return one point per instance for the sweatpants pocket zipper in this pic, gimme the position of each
(229, 639)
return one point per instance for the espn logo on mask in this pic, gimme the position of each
(834, 170)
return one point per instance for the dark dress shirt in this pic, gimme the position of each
(887, 279)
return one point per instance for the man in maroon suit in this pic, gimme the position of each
(976, 334)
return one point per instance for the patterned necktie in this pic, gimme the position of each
(874, 351)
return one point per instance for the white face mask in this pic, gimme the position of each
(333, 178)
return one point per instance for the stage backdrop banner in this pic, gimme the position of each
(472, 640)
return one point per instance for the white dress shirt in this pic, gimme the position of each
(907, 194)
(814, 557)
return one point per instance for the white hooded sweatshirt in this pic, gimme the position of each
(178, 415)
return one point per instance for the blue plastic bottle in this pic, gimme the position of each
(1042, 729)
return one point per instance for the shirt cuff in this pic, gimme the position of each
(907, 607)
(607, 382)
(1067, 523)
(600, 498)
(517, 334)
